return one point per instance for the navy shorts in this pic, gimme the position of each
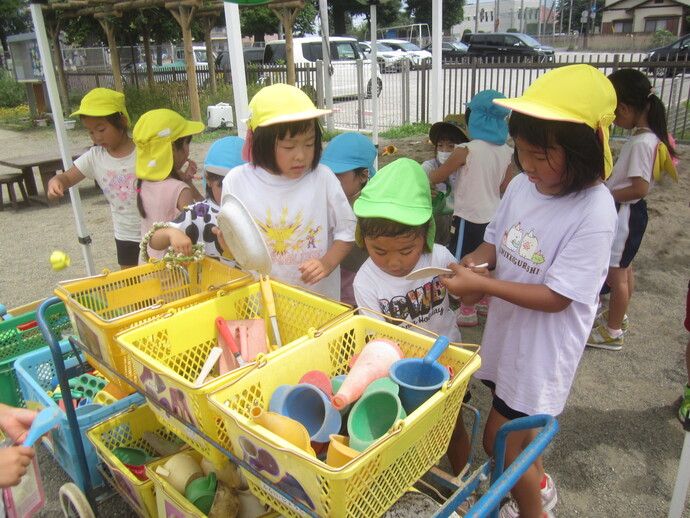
(472, 237)
(687, 309)
(632, 223)
(127, 252)
(500, 406)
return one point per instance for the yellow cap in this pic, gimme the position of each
(281, 103)
(100, 102)
(154, 134)
(574, 93)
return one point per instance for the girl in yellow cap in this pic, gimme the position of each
(549, 246)
(297, 203)
(640, 110)
(162, 138)
(111, 162)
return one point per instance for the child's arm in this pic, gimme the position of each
(456, 160)
(165, 237)
(188, 176)
(13, 464)
(185, 199)
(637, 190)
(15, 422)
(538, 297)
(316, 269)
(58, 184)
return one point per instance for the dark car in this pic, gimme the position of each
(451, 50)
(507, 46)
(252, 55)
(676, 51)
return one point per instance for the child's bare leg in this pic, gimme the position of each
(459, 447)
(526, 492)
(617, 279)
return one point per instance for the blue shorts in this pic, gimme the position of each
(632, 223)
(127, 252)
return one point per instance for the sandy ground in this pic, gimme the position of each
(617, 452)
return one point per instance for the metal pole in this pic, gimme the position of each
(522, 16)
(570, 19)
(61, 132)
(374, 85)
(476, 17)
(239, 80)
(326, 51)
(436, 68)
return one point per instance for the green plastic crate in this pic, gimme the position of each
(16, 342)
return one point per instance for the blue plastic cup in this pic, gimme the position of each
(308, 405)
(420, 378)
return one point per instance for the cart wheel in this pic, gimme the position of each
(73, 502)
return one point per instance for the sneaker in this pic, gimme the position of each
(467, 504)
(603, 317)
(467, 316)
(600, 338)
(483, 306)
(510, 510)
(684, 405)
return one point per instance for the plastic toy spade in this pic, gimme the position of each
(45, 421)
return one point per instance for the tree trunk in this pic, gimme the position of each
(114, 54)
(184, 16)
(54, 33)
(207, 25)
(287, 16)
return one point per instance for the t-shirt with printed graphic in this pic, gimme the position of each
(563, 242)
(299, 218)
(197, 222)
(117, 178)
(424, 302)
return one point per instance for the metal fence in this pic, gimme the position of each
(406, 96)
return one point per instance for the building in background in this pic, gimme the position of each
(528, 16)
(645, 16)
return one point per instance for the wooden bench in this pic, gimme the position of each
(9, 180)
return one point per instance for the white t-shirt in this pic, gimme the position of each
(299, 218)
(424, 302)
(117, 179)
(564, 243)
(476, 188)
(197, 222)
(636, 159)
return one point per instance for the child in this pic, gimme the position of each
(549, 243)
(111, 162)
(684, 409)
(162, 138)
(195, 223)
(485, 170)
(15, 422)
(351, 157)
(298, 204)
(640, 110)
(444, 136)
(396, 226)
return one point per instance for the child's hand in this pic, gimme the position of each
(13, 464)
(190, 172)
(181, 243)
(15, 422)
(314, 270)
(467, 281)
(55, 189)
(221, 241)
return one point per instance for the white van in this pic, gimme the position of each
(344, 55)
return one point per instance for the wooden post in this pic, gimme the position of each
(184, 14)
(54, 33)
(114, 54)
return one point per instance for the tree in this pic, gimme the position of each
(305, 20)
(420, 10)
(258, 20)
(13, 20)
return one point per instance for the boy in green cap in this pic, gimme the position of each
(396, 225)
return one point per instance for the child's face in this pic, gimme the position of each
(445, 146)
(626, 117)
(351, 182)
(216, 189)
(543, 168)
(397, 256)
(103, 133)
(295, 153)
(180, 155)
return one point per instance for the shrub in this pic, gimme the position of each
(662, 37)
(11, 93)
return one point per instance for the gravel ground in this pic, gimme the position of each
(617, 451)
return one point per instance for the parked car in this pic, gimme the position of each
(412, 51)
(451, 50)
(676, 51)
(507, 46)
(389, 60)
(344, 55)
(200, 59)
(252, 55)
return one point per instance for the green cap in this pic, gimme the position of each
(400, 192)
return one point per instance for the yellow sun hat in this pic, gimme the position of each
(575, 93)
(281, 103)
(101, 102)
(154, 134)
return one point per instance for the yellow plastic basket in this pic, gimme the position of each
(369, 484)
(102, 305)
(127, 429)
(168, 353)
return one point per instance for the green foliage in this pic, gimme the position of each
(11, 93)
(304, 24)
(257, 21)
(408, 130)
(213, 135)
(662, 37)
(420, 10)
(14, 19)
(141, 100)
